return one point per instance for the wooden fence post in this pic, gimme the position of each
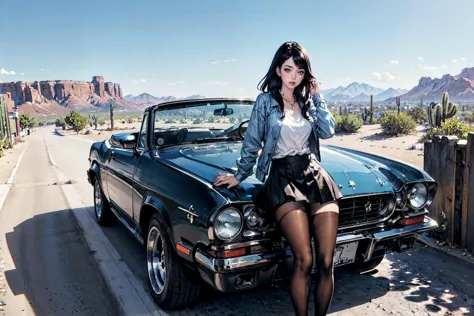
(460, 194)
(468, 206)
(440, 158)
(431, 166)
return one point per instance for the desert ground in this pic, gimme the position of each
(368, 139)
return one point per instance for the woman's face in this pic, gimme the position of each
(291, 75)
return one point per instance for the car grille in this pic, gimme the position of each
(361, 210)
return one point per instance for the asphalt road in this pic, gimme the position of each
(54, 273)
(46, 267)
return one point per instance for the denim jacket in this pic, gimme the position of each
(264, 128)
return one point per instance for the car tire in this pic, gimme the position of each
(102, 211)
(369, 265)
(177, 287)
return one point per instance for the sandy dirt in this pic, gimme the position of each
(368, 139)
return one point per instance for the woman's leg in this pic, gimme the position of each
(293, 221)
(324, 222)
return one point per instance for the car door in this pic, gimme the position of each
(122, 163)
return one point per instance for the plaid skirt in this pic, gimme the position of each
(298, 178)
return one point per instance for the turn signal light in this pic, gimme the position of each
(233, 253)
(412, 220)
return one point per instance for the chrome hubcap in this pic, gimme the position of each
(97, 200)
(155, 257)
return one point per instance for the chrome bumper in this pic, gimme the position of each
(428, 224)
(213, 269)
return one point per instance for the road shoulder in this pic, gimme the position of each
(8, 166)
(129, 292)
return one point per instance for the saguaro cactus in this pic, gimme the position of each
(371, 108)
(397, 100)
(112, 107)
(438, 113)
(368, 114)
(93, 120)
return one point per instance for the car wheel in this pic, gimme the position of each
(172, 285)
(103, 213)
(369, 265)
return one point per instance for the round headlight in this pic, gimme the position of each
(418, 195)
(253, 218)
(388, 206)
(228, 223)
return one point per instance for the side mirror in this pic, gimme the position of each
(223, 111)
(129, 142)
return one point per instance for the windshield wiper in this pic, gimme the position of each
(215, 139)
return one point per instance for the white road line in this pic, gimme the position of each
(127, 289)
(12, 175)
(5, 188)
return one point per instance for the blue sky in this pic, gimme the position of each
(224, 48)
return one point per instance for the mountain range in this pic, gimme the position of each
(61, 96)
(148, 99)
(459, 87)
(360, 92)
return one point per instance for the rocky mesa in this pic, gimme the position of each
(62, 96)
(459, 87)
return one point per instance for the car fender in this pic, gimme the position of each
(152, 201)
(96, 170)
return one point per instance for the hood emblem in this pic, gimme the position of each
(368, 207)
(352, 183)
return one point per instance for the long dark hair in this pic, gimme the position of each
(272, 82)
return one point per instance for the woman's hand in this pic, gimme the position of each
(223, 178)
(314, 86)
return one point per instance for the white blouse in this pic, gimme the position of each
(294, 135)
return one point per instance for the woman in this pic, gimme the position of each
(287, 120)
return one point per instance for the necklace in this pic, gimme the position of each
(288, 101)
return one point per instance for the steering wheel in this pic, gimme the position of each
(239, 129)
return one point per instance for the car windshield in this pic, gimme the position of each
(202, 121)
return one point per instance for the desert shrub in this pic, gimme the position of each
(351, 123)
(418, 114)
(339, 119)
(468, 116)
(101, 122)
(5, 143)
(27, 121)
(60, 122)
(371, 122)
(450, 127)
(130, 120)
(396, 124)
(77, 121)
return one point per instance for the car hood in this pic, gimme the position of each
(355, 173)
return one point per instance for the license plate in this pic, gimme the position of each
(345, 253)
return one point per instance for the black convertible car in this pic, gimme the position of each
(158, 183)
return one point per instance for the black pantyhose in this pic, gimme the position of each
(296, 229)
(324, 227)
